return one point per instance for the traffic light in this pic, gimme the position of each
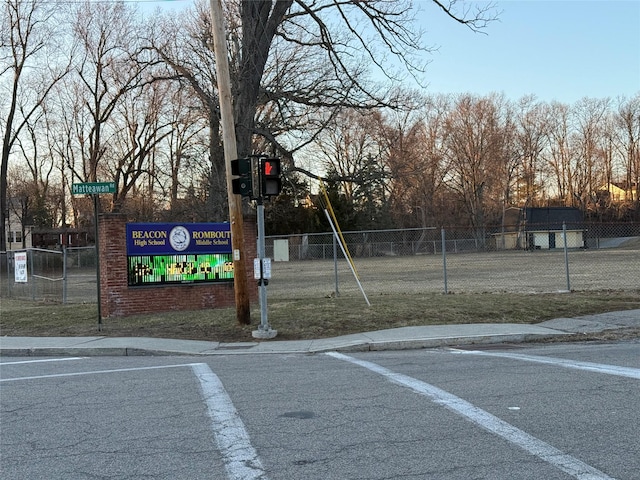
(270, 183)
(243, 185)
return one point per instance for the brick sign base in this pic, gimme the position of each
(117, 299)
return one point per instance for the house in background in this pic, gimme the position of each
(618, 192)
(18, 237)
(541, 228)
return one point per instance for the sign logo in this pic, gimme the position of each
(179, 238)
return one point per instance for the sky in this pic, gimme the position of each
(561, 50)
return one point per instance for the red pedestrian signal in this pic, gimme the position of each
(270, 183)
(271, 168)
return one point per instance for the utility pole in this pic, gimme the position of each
(240, 283)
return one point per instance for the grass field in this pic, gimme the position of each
(507, 286)
(319, 317)
(511, 271)
(495, 272)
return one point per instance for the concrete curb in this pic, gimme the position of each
(402, 338)
(302, 347)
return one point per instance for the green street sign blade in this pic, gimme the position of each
(93, 188)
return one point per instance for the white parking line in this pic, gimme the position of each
(530, 444)
(41, 361)
(240, 458)
(560, 362)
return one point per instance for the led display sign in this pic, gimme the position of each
(169, 253)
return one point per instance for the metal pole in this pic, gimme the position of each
(335, 263)
(566, 255)
(33, 278)
(264, 330)
(264, 323)
(444, 259)
(64, 274)
(355, 275)
(95, 213)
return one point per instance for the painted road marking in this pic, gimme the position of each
(493, 424)
(240, 458)
(42, 361)
(96, 372)
(560, 362)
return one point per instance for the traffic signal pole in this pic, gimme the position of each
(258, 178)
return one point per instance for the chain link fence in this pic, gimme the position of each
(61, 276)
(588, 257)
(540, 259)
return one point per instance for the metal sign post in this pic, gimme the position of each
(262, 272)
(95, 215)
(94, 189)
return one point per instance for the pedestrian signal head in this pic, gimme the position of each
(270, 183)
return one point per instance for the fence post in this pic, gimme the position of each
(566, 255)
(10, 274)
(335, 263)
(444, 259)
(64, 274)
(30, 253)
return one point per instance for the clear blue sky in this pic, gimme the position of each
(558, 50)
(555, 49)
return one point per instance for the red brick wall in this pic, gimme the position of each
(117, 299)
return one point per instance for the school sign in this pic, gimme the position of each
(170, 253)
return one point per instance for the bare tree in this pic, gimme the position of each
(627, 120)
(531, 131)
(182, 147)
(559, 157)
(345, 40)
(589, 162)
(25, 40)
(108, 70)
(295, 64)
(415, 158)
(344, 149)
(474, 137)
(185, 45)
(138, 129)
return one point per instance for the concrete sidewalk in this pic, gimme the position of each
(390, 339)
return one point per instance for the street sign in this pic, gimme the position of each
(93, 188)
(263, 273)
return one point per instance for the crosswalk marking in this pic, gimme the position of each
(530, 444)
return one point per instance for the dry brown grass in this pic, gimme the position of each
(306, 318)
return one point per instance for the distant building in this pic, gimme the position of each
(18, 238)
(57, 238)
(618, 192)
(541, 228)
